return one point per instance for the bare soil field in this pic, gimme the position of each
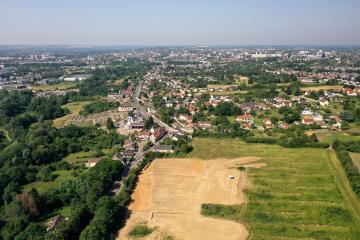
(170, 192)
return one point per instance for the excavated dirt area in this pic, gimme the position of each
(170, 192)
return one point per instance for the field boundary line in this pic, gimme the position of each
(349, 196)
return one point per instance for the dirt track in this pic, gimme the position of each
(170, 192)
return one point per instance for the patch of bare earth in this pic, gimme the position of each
(170, 192)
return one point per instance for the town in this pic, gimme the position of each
(146, 103)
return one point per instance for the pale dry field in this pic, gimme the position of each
(170, 192)
(356, 159)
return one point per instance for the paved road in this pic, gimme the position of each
(140, 155)
(143, 111)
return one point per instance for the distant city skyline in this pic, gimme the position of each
(170, 22)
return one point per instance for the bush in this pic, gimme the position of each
(267, 140)
(140, 230)
(351, 146)
(351, 170)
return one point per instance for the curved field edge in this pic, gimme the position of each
(297, 196)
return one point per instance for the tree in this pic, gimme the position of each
(149, 123)
(33, 231)
(10, 192)
(16, 220)
(227, 109)
(45, 174)
(346, 116)
(29, 204)
(71, 229)
(345, 125)
(106, 214)
(109, 124)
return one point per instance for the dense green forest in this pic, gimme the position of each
(33, 150)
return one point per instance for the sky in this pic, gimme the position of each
(180, 22)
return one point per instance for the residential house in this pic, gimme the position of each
(185, 118)
(129, 154)
(164, 149)
(93, 161)
(204, 125)
(126, 107)
(144, 135)
(246, 126)
(335, 122)
(267, 123)
(283, 125)
(323, 102)
(308, 120)
(247, 106)
(55, 222)
(245, 118)
(157, 134)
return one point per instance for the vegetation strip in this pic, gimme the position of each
(349, 196)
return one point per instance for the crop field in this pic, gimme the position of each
(57, 86)
(300, 194)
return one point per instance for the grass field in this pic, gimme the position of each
(79, 157)
(74, 108)
(65, 212)
(43, 187)
(331, 136)
(301, 194)
(57, 86)
(323, 87)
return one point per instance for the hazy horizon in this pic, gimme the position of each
(185, 23)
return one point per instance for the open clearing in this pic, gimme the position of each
(74, 108)
(323, 87)
(220, 86)
(301, 194)
(331, 136)
(57, 86)
(241, 79)
(169, 194)
(229, 92)
(119, 81)
(43, 187)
